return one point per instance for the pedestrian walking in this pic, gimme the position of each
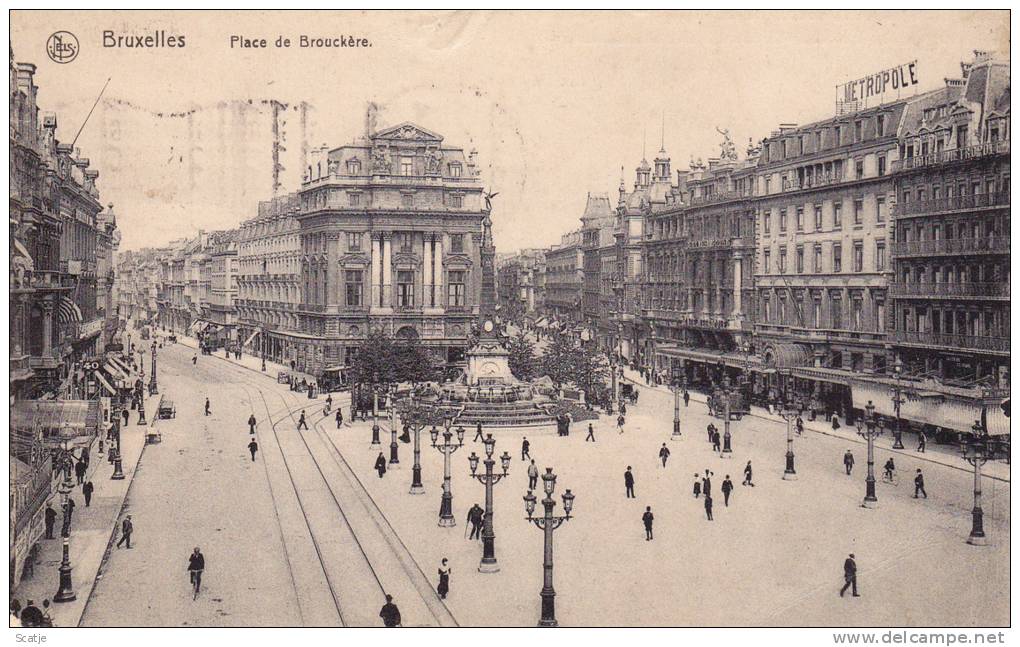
(687, 399)
(664, 454)
(711, 432)
(50, 517)
(706, 484)
(31, 616)
(800, 426)
(126, 528)
(339, 417)
(849, 576)
(196, 564)
(79, 471)
(623, 408)
(591, 433)
(380, 464)
(444, 579)
(532, 475)
(716, 440)
(301, 421)
(125, 415)
(476, 515)
(389, 613)
(727, 487)
(251, 424)
(68, 516)
(648, 518)
(253, 447)
(628, 482)
(697, 486)
(207, 406)
(620, 422)
(86, 489)
(919, 484)
(748, 474)
(194, 360)
(525, 449)
(708, 507)
(835, 422)
(922, 441)
(848, 462)
(478, 432)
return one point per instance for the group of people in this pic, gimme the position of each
(30, 616)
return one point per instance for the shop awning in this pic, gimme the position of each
(125, 371)
(50, 417)
(102, 380)
(68, 311)
(252, 337)
(733, 360)
(821, 374)
(926, 405)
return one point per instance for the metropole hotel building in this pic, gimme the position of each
(390, 233)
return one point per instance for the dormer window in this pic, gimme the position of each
(455, 170)
(354, 166)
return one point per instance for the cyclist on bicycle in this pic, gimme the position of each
(196, 564)
(890, 469)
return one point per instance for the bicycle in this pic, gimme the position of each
(196, 582)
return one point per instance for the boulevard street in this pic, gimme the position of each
(309, 534)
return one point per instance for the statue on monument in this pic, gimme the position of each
(727, 150)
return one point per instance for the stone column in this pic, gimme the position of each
(428, 299)
(737, 285)
(47, 345)
(387, 270)
(440, 301)
(375, 294)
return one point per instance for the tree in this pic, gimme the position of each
(590, 372)
(415, 362)
(559, 360)
(522, 357)
(376, 360)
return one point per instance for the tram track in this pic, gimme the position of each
(359, 556)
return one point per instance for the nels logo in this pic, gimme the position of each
(62, 47)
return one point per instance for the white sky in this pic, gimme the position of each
(555, 102)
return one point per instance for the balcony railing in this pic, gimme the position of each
(724, 196)
(953, 155)
(952, 246)
(997, 344)
(954, 203)
(825, 179)
(938, 290)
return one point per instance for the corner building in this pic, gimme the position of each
(391, 239)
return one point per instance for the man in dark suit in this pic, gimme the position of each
(849, 576)
(628, 482)
(51, 518)
(648, 518)
(919, 484)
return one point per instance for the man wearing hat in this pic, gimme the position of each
(850, 576)
(919, 485)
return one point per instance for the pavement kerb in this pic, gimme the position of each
(117, 520)
(757, 412)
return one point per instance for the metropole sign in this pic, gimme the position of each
(896, 78)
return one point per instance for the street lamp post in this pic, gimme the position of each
(140, 391)
(869, 431)
(727, 449)
(488, 563)
(394, 459)
(65, 590)
(789, 413)
(153, 389)
(416, 416)
(548, 524)
(977, 449)
(447, 449)
(897, 401)
(375, 444)
(675, 383)
(118, 469)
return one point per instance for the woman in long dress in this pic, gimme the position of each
(444, 580)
